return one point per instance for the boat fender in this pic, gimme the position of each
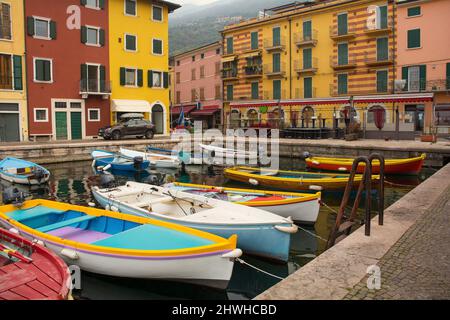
(114, 209)
(93, 163)
(316, 162)
(91, 204)
(315, 188)
(72, 255)
(342, 169)
(107, 167)
(39, 242)
(100, 168)
(291, 229)
(14, 230)
(236, 253)
(253, 182)
(108, 207)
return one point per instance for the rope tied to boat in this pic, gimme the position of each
(258, 269)
(322, 203)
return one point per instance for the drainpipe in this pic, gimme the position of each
(25, 82)
(290, 58)
(224, 125)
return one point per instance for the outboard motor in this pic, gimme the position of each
(138, 161)
(306, 155)
(13, 196)
(107, 180)
(39, 174)
(183, 167)
(156, 179)
(211, 172)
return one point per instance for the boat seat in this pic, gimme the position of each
(65, 223)
(152, 202)
(33, 212)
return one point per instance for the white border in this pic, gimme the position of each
(40, 109)
(125, 8)
(34, 69)
(125, 42)
(89, 114)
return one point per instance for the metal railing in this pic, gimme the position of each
(373, 28)
(376, 58)
(336, 33)
(229, 73)
(253, 69)
(268, 95)
(271, 70)
(275, 44)
(95, 86)
(301, 39)
(300, 93)
(350, 62)
(310, 66)
(437, 85)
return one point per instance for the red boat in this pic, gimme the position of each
(410, 166)
(29, 271)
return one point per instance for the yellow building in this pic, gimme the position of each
(139, 59)
(13, 98)
(321, 62)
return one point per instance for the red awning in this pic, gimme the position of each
(206, 111)
(186, 109)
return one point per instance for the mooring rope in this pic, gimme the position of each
(397, 184)
(258, 269)
(312, 234)
(328, 207)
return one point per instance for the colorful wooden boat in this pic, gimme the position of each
(110, 160)
(410, 166)
(29, 271)
(156, 160)
(115, 244)
(259, 232)
(23, 172)
(290, 180)
(225, 153)
(301, 207)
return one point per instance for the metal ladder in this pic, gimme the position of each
(343, 225)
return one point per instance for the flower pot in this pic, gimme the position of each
(428, 138)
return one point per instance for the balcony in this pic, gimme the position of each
(343, 64)
(302, 40)
(339, 35)
(95, 88)
(302, 69)
(372, 59)
(273, 72)
(268, 95)
(335, 92)
(374, 30)
(437, 85)
(272, 45)
(229, 74)
(300, 93)
(253, 71)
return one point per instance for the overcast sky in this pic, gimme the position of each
(194, 1)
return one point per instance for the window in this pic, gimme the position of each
(202, 56)
(307, 88)
(307, 58)
(342, 20)
(276, 63)
(342, 83)
(130, 7)
(342, 54)
(254, 40)
(382, 17)
(5, 21)
(130, 42)
(193, 74)
(157, 79)
(6, 79)
(178, 63)
(230, 45)
(92, 36)
(230, 92)
(193, 58)
(414, 12)
(442, 115)
(178, 77)
(217, 68)
(94, 115)
(276, 36)
(307, 30)
(202, 72)
(157, 46)
(277, 89)
(40, 115)
(157, 13)
(193, 95)
(43, 70)
(413, 38)
(255, 90)
(42, 28)
(382, 81)
(130, 77)
(416, 77)
(382, 49)
(218, 92)
(218, 51)
(178, 97)
(91, 3)
(202, 94)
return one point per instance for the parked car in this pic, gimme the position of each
(129, 125)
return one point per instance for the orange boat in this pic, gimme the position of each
(410, 166)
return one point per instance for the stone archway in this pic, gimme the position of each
(158, 118)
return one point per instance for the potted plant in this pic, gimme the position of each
(354, 131)
(429, 136)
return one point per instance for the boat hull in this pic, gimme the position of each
(103, 162)
(156, 160)
(261, 240)
(303, 212)
(23, 179)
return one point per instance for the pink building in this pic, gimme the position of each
(196, 79)
(423, 60)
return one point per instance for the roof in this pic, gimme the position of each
(172, 6)
(212, 44)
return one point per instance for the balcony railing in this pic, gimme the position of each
(275, 71)
(301, 68)
(274, 44)
(373, 29)
(302, 40)
(300, 93)
(334, 91)
(437, 85)
(379, 59)
(337, 34)
(95, 87)
(338, 64)
(269, 95)
(253, 70)
(229, 74)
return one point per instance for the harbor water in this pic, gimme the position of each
(72, 182)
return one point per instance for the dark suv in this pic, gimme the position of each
(137, 127)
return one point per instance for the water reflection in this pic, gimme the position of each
(72, 183)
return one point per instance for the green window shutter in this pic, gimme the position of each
(52, 30)
(140, 78)
(84, 77)
(83, 2)
(47, 70)
(83, 34)
(382, 81)
(17, 65)
(343, 53)
(230, 45)
(342, 84)
(102, 37)
(230, 92)
(166, 80)
(307, 30)
(307, 87)
(414, 38)
(276, 89)
(122, 76)
(405, 77)
(448, 76)
(342, 24)
(276, 63)
(383, 17)
(414, 11)
(30, 26)
(254, 40)
(382, 49)
(276, 34)
(101, 4)
(39, 70)
(150, 78)
(423, 77)
(103, 79)
(307, 58)
(157, 46)
(255, 90)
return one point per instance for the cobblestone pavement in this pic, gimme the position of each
(418, 265)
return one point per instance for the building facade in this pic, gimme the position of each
(423, 61)
(139, 60)
(13, 98)
(198, 85)
(316, 64)
(67, 68)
